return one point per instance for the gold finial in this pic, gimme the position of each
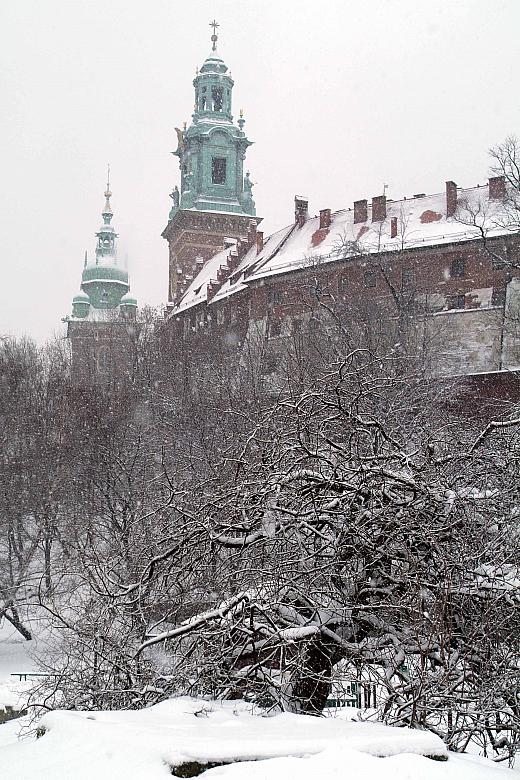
(241, 113)
(214, 37)
(108, 194)
(107, 191)
(184, 123)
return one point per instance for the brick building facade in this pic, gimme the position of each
(442, 265)
(425, 259)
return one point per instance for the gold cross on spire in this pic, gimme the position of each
(214, 37)
(108, 193)
(107, 210)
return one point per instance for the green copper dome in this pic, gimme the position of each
(214, 64)
(128, 300)
(81, 297)
(103, 279)
(104, 272)
(104, 282)
(80, 305)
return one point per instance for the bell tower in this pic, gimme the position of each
(102, 329)
(215, 197)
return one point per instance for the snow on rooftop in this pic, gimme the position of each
(146, 744)
(420, 221)
(249, 262)
(197, 290)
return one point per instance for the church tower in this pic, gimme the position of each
(215, 198)
(102, 325)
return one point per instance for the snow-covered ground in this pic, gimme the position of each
(15, 659)
(146, 744)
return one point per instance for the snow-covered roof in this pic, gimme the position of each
(420, 221)
(197, 290)
(249, 262)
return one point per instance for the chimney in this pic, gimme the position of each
(259, 241)
(232, 260)
(393, 227)
(251, 232)
(301, 210)
(379, 208)
(222, 273)
(325, 219)
(242, 247)
(451, 198)
(497, 188)
(360, 211)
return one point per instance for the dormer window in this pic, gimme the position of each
(218, 170)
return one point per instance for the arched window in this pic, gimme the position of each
(217, 95)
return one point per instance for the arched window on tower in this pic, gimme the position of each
(217, 96)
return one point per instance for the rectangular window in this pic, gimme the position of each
(369, 277)
(498, 262)
(456, 301)
(218, 170)
(458, 267)
(343, 283)
(274, 296)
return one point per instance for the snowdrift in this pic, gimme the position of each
(184, 736)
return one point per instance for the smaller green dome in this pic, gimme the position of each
(213, 64)
(128, 300)
(81, 297)
(80, 305)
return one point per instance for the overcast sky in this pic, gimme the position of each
(339, 97)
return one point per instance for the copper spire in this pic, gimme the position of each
(108, 194)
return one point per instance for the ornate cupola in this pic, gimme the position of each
(104, 281)
(211, 153)
(212, 150)
(102, 327)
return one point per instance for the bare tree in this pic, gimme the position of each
(242, 545)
